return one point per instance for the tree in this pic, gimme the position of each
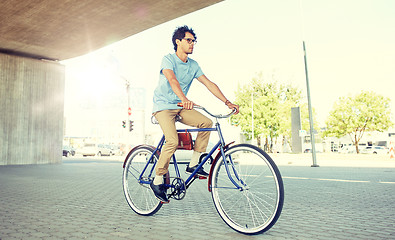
(272, 110)
(353, 116)
(264, 109)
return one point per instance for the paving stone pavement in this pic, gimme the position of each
(83, 199)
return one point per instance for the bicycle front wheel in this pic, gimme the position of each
(139, 167)
(255, 206)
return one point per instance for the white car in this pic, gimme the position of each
(348, 149)
(375, 150)
(91, 149)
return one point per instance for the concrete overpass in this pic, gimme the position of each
(34, 36)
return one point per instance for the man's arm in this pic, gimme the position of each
(214, 89)
(175, 86)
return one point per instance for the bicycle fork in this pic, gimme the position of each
(229, 162)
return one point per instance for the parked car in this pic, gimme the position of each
(109, 148)
(116, 150)
(348, 149)
(91, 149)
(375, 150)
(68, 151)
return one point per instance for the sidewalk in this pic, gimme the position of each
(82, 198)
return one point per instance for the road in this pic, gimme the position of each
(83, 199)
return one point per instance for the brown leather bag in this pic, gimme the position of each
(185, 141)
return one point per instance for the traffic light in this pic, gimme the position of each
(130, 125)
(124, 124)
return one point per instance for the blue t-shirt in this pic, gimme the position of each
(164, 97)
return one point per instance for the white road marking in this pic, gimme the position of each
(335, 180)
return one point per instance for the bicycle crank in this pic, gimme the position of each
(178, 189)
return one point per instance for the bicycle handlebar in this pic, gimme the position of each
(209, 113)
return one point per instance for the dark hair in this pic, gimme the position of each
(179, 33)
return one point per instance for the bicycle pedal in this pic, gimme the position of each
(201, 177)
(165, 202)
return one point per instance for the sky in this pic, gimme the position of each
(350, 48)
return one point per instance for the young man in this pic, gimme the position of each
(176, 75)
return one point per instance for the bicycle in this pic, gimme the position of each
(245, 183)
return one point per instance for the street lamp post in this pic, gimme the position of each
(312, 138)
(127, 83)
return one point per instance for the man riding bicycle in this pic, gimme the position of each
(176, 75)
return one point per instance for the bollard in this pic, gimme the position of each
(392, 152)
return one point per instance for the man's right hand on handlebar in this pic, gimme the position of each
(186, 104)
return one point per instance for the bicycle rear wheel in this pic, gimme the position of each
(255, 207)
(139, 195)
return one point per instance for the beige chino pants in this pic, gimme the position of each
(166, 119)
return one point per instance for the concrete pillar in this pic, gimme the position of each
(296, 126)
(31, 107)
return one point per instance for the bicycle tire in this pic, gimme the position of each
(257, 207)
(138, 195)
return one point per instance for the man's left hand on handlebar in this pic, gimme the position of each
(232, 106)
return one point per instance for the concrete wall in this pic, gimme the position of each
(31, 110)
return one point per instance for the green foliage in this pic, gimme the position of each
(272, 109)
(353, 116)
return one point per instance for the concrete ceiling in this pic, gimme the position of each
(63, 29)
